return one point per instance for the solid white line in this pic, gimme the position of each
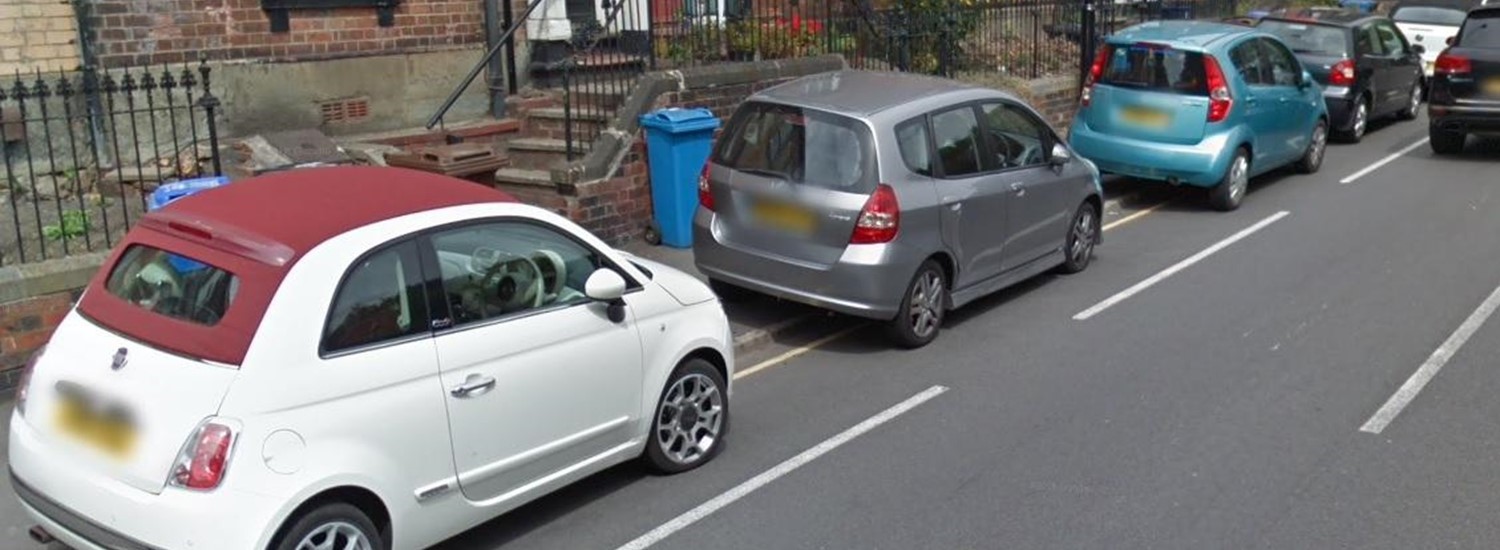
(1387, 160)
(1179, 266)
(740, 491)
(1430, 368)
(784, 357)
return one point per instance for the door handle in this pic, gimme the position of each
(956, 206)
(474, 385)
(1019, 189)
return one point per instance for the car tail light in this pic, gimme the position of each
(1095, 72)
(879, 220)
(1220, 101)
(204, 458)
(1342, 73)
(24, 383)
(705, 191)
(1450, 64)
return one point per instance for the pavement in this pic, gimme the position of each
(1310, 371)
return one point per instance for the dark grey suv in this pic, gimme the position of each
(891, 196)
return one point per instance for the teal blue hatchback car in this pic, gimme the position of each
(1202, 104)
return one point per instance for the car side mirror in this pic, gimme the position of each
(607, 286)
(1060, 155)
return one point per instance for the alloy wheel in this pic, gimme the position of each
(1361, 120)
(1082, 243)
(1416, 101)
(690, 419)
(336, 535)
(926, 311)
(1319, 145)
(1239, 179)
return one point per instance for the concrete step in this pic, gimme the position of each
(551, 123)
(542, 153)
(524, 177)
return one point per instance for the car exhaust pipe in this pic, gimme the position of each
(39, 535)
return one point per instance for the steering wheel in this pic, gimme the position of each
(516, 283)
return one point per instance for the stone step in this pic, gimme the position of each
(542, 153)
(524, 177)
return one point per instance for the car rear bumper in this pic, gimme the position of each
(1476, 120)
(868, 281)
(1340, 113)
(1201, 164)
(85, 509)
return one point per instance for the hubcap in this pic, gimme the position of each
(690, 419)
(926, 304)
(1416, 99)
(1237, 178)
(1360, 114)
(1319, 144)
(1082, 243)
(335, 536)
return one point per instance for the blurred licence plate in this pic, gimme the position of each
(1491, 86)
(1428, 66)
(784, 216)
(1145, 117)
(107, 430)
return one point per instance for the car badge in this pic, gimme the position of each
(119, 360)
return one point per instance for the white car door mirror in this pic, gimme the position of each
(607, 286)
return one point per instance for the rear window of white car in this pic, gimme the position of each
(173, 285)
(800, 146)
(1429, 15)
(1156, 68)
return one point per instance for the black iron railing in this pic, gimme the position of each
(82, 151)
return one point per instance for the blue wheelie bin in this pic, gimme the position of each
(169, 192)
(678, 142)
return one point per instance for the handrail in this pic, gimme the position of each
(474, 73)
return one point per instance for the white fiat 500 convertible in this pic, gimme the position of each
(357, 358)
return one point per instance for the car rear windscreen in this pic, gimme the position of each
(1156, 68)
(172, 285)
(1481, 30)
(1429, 15)
(800, 146)
(1304, 38)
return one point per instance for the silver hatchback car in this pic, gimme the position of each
(890, 196)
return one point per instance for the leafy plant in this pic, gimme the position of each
(75, 223)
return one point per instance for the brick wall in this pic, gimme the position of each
(135, 32)
(37, 35)
(25, 326)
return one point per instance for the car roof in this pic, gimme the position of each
(1344, 18)
(1460, 5)
(1198, 34)
(864, 93)
(299, 209)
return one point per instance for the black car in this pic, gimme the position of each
(1367, 68)
(1466, 83)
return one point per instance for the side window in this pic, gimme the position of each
(916, 148)
(1366, 42)
(958, 140)
(1246, 59)
(380, 299)
(505, 268)
(1390, 39)
(1016, 139)
(1285, 69)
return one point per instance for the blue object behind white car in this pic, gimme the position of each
(1203, 104)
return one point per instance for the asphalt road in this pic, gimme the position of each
(1220, 406)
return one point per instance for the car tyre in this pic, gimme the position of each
(1445, 142)
(334, 525)
(1414, 103)
(1317, 146)
(1083, 234)
(922, 309)
(1230, 191)
(691, 420)
(728, 292)
(1360, 122)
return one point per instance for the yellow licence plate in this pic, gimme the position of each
(1428, 66)
(783, 216)
(1490, 87)
(110, 432)
(1145, 117)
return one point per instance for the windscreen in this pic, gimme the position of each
(172, 285)
(1429, 15)
(1305, 38)
(800, 146)
(1156, 68)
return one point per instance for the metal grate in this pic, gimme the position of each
(345, 111)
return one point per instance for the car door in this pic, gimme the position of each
(1403, 67)
(1371, 67)
(973, 198)
(1293, 119)
(536, 377)
(1262, 102)
(1039, 205)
